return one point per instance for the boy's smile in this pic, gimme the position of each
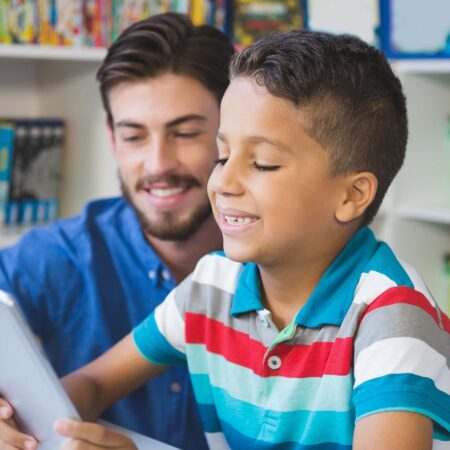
(271, 191)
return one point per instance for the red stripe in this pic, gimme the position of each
(298, 361)
(402, 295)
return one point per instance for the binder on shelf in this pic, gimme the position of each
(6, 150)
(400, 21)
(34, 175)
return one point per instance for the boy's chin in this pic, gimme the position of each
(240, 255)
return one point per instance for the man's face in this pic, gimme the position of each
(271, 192)
(164, 140)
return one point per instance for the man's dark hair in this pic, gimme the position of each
(167, 43)
(352, 102)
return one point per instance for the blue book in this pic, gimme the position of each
(6, 151)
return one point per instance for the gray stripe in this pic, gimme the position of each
(216, 304)
(402, 320)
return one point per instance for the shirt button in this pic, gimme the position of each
(264, 322)
(274, 362)
(166, 275)
(151, 274)
(175, 387)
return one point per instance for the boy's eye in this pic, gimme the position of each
(264, 168)
(221, 161)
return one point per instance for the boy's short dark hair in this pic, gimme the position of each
(167, 43)
(353, 103)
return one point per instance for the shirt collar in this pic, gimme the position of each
(153, 264)
(333, 295)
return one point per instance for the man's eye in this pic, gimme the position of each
(264, 168)
(132, 138)
(187, 135)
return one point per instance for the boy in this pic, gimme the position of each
(324, 340)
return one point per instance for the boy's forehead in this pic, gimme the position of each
(249, 107)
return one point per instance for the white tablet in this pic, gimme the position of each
(29, 383)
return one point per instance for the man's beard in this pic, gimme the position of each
(167, 227)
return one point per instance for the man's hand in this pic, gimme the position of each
(91, 436)
(10, 436)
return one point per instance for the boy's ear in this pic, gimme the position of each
(358, 195)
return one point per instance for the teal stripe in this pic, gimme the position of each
(405, 392)
(330, 392)
(154, 346)
(306, 427)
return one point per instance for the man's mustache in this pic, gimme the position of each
(170, 180)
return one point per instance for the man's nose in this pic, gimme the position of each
(161, 157)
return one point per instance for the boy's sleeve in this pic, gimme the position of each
(401, 360)
(160, 338)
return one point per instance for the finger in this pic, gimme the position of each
(6, 410)
(93, 433)
(10, 436)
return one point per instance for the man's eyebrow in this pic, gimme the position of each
(183, 119)
(129, 124)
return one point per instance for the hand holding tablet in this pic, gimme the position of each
(29, 384)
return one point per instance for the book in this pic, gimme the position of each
(6, 151)
(255, 18)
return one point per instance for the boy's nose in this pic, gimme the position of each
(227, 179)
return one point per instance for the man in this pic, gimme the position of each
(84, 282)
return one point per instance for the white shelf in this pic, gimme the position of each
(47, 52)
(425, 66)
(438, 215)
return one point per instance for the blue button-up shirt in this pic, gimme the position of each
(84, 283)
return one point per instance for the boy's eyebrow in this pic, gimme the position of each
(256, 140)
(172, 123)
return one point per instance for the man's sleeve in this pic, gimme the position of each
(161, 337)
(401, 360)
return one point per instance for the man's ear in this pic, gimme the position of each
(358, 195)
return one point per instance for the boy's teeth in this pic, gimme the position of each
(238, 220)
(166, 192)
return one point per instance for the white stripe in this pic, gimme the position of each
(402, 355)
(170, 323)
(216, 441)
(218, 271)
(370, 286)
(419, 284)
(441, 445)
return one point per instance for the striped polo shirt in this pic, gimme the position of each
(370, 338)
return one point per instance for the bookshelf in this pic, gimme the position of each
(60, 82)
(414, 219)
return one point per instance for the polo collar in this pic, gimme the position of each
(333, 295)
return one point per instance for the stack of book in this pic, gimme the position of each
(92, 23)
(30, 170)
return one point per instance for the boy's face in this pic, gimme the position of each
(271, 191)
(164, 140)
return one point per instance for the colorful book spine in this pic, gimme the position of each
(6, 151)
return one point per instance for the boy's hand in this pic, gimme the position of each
(10, 436)
(91, 436)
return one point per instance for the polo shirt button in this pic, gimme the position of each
(263, 321)
(151, 274)
(166, 275)
(274, 362)
(175, 387)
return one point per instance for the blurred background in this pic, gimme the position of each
(54, 154)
